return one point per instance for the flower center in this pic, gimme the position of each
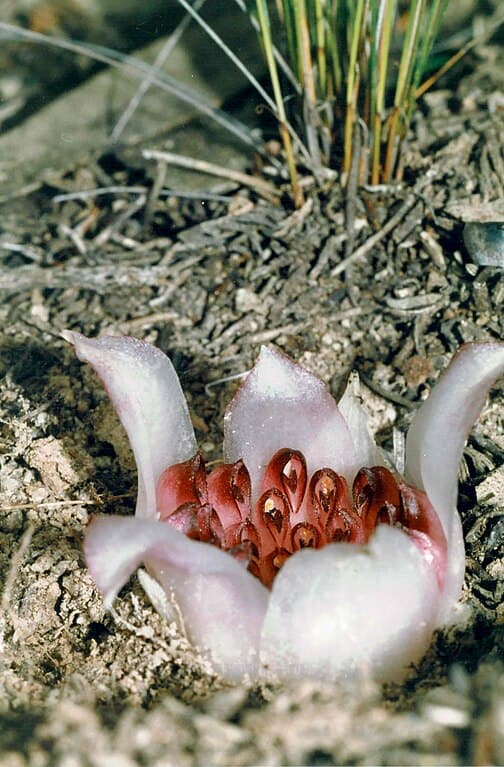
(292, 513)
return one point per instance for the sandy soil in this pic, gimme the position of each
(209, 280)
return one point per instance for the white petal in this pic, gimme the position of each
(145, 390)
(159, 599)
(436, 440)
(367, 452)
(222, 604)
(347, 610)
(282, 405)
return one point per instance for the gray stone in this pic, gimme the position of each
(485, 243)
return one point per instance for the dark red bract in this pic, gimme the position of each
(292, 512)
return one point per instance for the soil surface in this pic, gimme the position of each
(377, 281)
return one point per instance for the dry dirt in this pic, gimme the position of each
(208, 280)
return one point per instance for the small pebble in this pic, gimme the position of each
(485, 243)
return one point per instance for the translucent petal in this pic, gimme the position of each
(222, 604)
(367, 453)
(436, 440)
(145, 390)
(281, 405)
(347, 610)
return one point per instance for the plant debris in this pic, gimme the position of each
(208, 279)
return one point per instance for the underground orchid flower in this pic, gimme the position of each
(304, 554)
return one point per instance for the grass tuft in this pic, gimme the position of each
(359, 67)
(345, 76)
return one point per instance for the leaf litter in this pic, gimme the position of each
(208, 280)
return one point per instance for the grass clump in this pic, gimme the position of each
(345, 76)
(351, 72)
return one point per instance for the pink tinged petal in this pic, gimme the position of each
(145, 390)
(329, 510)
(435, 443)
(377, 497)
(271, 519)
(347, 610)
(181, 484)
(222, 604)
(424, 527)
(281, 405)
(185, 520)
(367, 453)
(229, 494)
(286, 472)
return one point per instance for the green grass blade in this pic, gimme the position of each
(265, 26)
(282, 63)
